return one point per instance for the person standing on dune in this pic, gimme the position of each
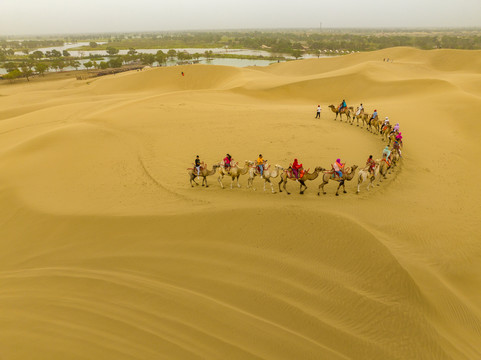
(318, 115)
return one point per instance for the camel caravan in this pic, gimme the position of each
(295, 172)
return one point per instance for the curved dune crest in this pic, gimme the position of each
(108, 253)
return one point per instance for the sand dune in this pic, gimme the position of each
(108, 253)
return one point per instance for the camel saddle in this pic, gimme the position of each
(290, 174)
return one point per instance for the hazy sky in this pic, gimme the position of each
(74, 16)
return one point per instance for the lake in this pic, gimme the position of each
(216, 61)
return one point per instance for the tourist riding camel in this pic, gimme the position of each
(344, 110)
(268, 175)
(204, 172)
(234, 173)
(364, 175)
(330, 175)
(305, 177)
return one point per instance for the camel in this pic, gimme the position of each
(346, 176)
(302, 180)
(364, 175)
(385, 131)
(204, 172)
(392, 138)
(235, 172)
(373, 124)
(383, 169)
(361, 116)
(268, 175)
(345, 111)
(395, 157)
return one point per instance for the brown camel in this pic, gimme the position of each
(395, 157)
(234, 172)
(346, 176)
(204, 172)
(345, 111)
(374, 124)
(385, 131)
(267, 176)
(350, 120)
(361, 116)
(364, 175)
(383, 169)
(302, 180)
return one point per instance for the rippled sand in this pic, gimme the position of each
(108, 253)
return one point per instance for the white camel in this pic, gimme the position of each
(364, 175)
(234, 173)
(268, 174)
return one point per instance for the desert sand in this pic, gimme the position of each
(108, 253)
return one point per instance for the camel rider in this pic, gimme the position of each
(342, 106)
(386, 153)
(396, 147)
(371, 164)
(197, 164)
(395, 128)
(260, 164)
(295, 168)
(359, 109)
(338, 166)
(227, 162)
(399, 138)
(386, 123)
(373, 116)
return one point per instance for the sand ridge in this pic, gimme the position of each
(107, 252)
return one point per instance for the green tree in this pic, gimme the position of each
(74, 63)
(147, 59)
(41, 67)
(160, 57)
(171, 53)
(26, 71)
(53, 54)
(297, 54)
(37, 54)
(115, 62)
(12, 75)
(112, 51)
(93, 44)
(132, 51)
(58, 64)
(88, 65)
(104, 65)
(65, 53)
(10, 66)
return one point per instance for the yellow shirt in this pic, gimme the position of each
(260, 161)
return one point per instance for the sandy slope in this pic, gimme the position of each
(107, 253)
